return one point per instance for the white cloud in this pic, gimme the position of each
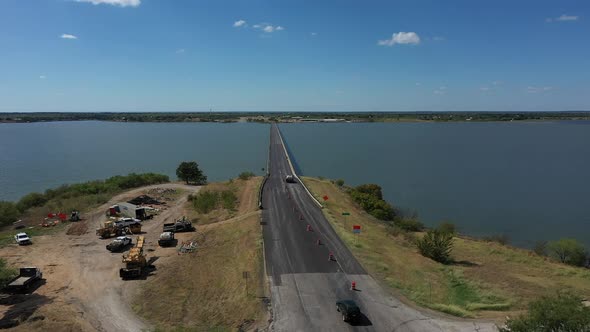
(68, 36)
(440, 91)
(268, 28)
(418, 84)
(401, 38)
(314, 34)
(180, 51)
(536, 89)
(567, 18)
(120, 3)
(42, 77)
(562, 18)
(496, 83)
(484, 88)
(438, 38)
(239, 23)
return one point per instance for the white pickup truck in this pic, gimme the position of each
(22, 239)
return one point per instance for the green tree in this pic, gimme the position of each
(568, 251)
(189, 171)
(339, 182)
(436, 246)
(561, 313)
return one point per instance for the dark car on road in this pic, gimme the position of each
(349, 310)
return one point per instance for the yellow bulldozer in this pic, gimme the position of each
(135, 261)
(111, 228)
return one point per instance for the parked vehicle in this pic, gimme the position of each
(350, 311)
(25, 279)
(181, 225)
(166, 239)
(22, 239)
(119, 244)
(290, 179)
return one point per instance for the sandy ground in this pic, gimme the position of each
(82, 289)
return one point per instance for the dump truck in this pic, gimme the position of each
(135, 261)
(117, 228)
(26, 278)
(118, 244)
(290, 179)
(180, 225)
(166, 239)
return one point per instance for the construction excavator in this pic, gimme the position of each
(135, 261)
(114, 228)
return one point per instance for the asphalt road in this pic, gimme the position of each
(305, 284)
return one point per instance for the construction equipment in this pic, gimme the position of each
(134, 261)
(180, 225)
(117, 228)
(75, 216)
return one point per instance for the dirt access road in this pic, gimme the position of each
(83, 291)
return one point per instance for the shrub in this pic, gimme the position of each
(229, 199)
(246, 175)
(436, 246)
(339, 182)
(6, 273)
(447, 228)
(371, 189)
(368, 196)
(205, 201)
(409, 225)
(31, 200)
(568, 251)
(561, 313)
(540, 248)
(502, 239)
(8, 213)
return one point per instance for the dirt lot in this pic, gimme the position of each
(82, 289)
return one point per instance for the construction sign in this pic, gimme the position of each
(356, 229)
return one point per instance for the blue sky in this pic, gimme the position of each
(193, 55)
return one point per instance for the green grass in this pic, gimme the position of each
(7, 237)
(496, 281)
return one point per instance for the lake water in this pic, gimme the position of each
(528, 180)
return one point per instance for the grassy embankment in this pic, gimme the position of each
(34, 207)
(205, 290)
(491, 280)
